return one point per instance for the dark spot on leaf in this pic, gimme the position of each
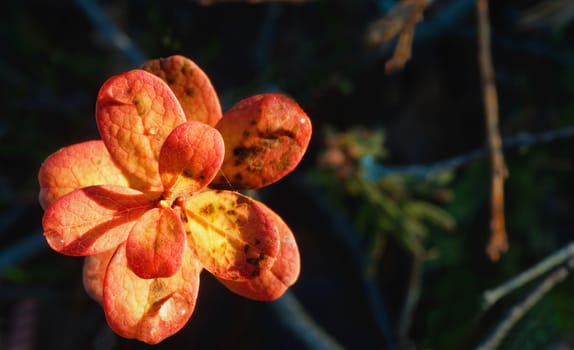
(170, 80)
(189, 91)
(231, 212)
(208, 209)
(246, 248)
(187, 173)
(256, 262)
(246, 133)
(141, 109)
(242, 153)
(241, 200)
(275, 134)
(257, 242)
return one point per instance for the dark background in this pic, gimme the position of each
(53, 59)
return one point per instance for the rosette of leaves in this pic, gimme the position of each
(154, 201)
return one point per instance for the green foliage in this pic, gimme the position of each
(401, 207)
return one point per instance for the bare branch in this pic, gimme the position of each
(115, 37)
(519, 310)
(400, 20)
(560, 257)
(374, 171)
(292, 314)
(498, 242)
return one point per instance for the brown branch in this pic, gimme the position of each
(498, 242)
(400, 20)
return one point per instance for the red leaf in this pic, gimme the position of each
(94, 272)
(135, 112)
(233, 236)
(93, 219)
(265, 138)
(149, 310)
(191, 86)
(76, 166)
(190, 158)
(272, 283)
(156, 244)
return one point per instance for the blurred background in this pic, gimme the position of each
(393, 256)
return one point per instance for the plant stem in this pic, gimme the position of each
(498, 242)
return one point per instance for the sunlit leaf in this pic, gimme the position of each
(272, 283)
(149, 310)
(156, 244)
(94, 272)
(234, 236)
(191, 86)
(265, 138)
(135, 112)
(76, 166)
(190, 158)
(93, 219)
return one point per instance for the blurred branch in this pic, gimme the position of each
(23, 324)
(560, 257)
(111, 33)
(22, 250)
(292, 314)
(519, 310)
(410, 303)
(267, 35)
(215, 2)
(346, 232)
(373, 170)
(553, 13)
(399, 21)
(498, 242)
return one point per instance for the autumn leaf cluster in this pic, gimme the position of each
(154, 201)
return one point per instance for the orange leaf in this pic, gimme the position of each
(265, 138)
(149, 310)
(135, 112)
(190, 158)
(272, 283)
(233, 236)
(156, 243)
(93, 219)
(94, 272)
(76, 166)
(191, 86)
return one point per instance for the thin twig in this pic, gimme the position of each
(215, 2)
(410, 303)
(118, 39)
(519, 310)
(498, 242)
(374, 171)
(561, 256)
(23, 325)
(22, 250)
(344, 230)
(292, 314)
